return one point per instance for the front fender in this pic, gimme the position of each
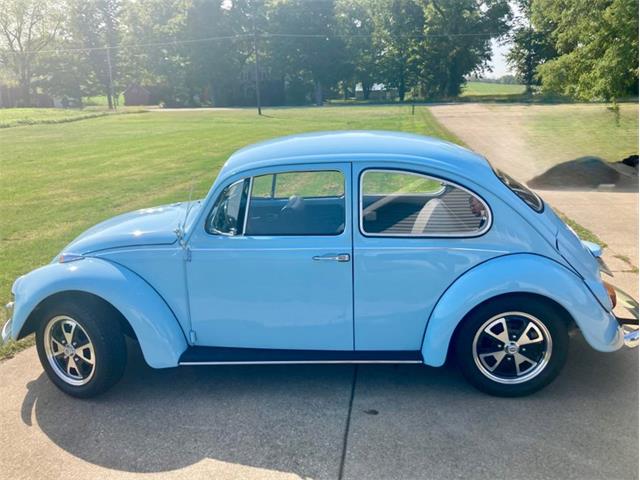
(161, 339)
(518, 273)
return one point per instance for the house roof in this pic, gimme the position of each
(319, 147)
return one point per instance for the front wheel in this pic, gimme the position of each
(512, 346)
(81, 348)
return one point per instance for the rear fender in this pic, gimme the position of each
(161, 338)
(518, 273)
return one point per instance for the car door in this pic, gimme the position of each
(416, 234)
(271, 266)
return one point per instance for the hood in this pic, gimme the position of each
(148, 226)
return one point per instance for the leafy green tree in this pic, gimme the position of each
(457, 42)
(597, 45)
(304, 39)
(95, 26)
(356, 26)
(216, 66)
(159, 60)
(399, 25)
(27, 28)
(530, 46)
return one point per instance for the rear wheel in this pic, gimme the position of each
(512, 346)
(81, 348)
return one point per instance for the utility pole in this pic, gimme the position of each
(113, 98)
(257, 64)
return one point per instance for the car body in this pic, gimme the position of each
(329, 247)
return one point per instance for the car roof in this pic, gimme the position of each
(357, 145)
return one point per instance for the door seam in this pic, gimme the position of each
(353, 261)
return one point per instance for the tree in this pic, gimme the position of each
(95, 26)
(597, 45)
(356, 27)
(27, 28)
(216, 66)
(305, 41)
(399, 25)
(457, 41)
(158, 60)
(530, 47)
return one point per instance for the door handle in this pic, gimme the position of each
(332, 257)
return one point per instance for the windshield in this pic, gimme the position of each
(526, 195)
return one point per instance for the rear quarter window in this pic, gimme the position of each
(407, 204)
(523, 192)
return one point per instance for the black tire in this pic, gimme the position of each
(106, 347)
(536, 368)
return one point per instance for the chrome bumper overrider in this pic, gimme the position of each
(6, 329)
(628, 324)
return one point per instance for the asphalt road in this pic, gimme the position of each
(290, 422)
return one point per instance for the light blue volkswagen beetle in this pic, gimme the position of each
(352, 247)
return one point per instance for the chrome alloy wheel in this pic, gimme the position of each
(69, 350)
(512, 347)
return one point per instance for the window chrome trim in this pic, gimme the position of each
(343, 196)
(246, 207)
(212, 231)
(360, 193)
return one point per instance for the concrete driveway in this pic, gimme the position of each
(404, 422)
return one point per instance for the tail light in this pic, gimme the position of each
(612, 294)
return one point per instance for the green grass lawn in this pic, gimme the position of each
(57, 180)
(473, 89)
(566, 132)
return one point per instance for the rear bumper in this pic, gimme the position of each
(629, 319)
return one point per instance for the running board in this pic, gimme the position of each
(265, 356)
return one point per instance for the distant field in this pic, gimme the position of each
(59, 179)
(101, 100)
(473, 89)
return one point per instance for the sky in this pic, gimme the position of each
(498, 62)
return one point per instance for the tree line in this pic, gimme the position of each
(209, 52)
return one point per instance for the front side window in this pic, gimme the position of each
(526, 195)
(227, 215)
(394, 203)
(297, 203)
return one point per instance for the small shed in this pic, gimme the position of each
(136, 95)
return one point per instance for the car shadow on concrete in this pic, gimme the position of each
(587, 173)
(292, 418)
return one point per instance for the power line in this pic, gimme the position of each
(428, 35)
(138, 45)
(263, 35)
